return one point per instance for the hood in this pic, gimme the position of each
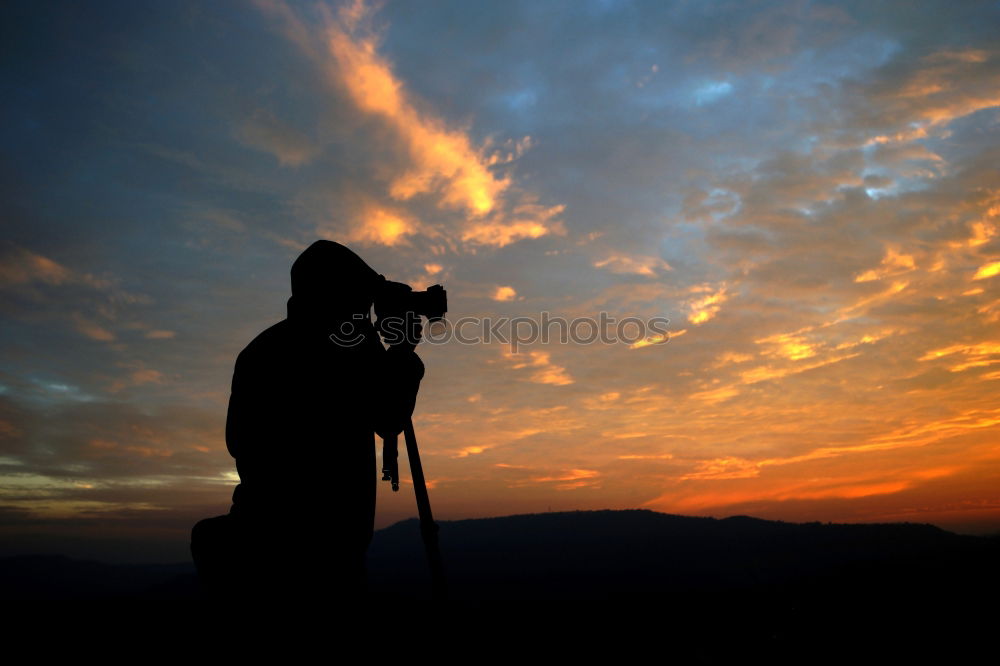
(331, 282)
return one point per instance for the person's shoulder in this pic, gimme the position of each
(264, 345)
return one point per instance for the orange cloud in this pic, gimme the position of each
(147, 376)
(987, 271)
(731, 358)
(856, 308)
(383, 226)
(908, 436)
(786, 345)
(469, 451)
(943, 87)
(706, 307)
(717, 394)
(504, 294)
(983, 232)
(724, 468)
(92, 330)
(149, 451)
(21, 266)
(544, 371)
(636, 265)
(893, 263)
(527, 220)
(783, 492)
(767, 372)
(570, 479)
(657, 339)
(976, 355)
(443, 162)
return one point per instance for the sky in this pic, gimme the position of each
(808, 191)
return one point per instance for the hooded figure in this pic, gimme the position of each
(308, 395)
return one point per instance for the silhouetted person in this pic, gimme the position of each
(308, 395)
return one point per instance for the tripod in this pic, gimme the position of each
(428, 528)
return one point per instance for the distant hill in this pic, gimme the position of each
(638, 556)
(52, 577)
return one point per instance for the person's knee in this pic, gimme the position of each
(209, 530)
(212, 543)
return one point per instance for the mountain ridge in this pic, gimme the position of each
(627, 553)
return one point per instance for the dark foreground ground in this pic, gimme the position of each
(792, 573)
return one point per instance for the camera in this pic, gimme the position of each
(398, 310)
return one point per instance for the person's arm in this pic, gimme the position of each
(399, 382)
(239, 417)
(247, 424)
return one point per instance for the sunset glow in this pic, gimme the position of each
(809, 192)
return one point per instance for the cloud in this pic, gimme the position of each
(894, 263)
(908, 97)
(22, 269)
(34, 287)
(383, 225)
(435, 159)
(527, 220)
(975, 355)
(571, 479)
(504, 294)
(92, 330)
(73, 458)
(520, 476)
(703, 308)
(787, 345)
(636, 265)
(657, 339)
(712, 92)
(443, 161)
(987, 270)
(768, 372)
(543, 370)
(263, 131)
(19, 266)
(136, 374)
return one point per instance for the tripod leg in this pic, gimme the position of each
(428, 528)
(390, 461)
